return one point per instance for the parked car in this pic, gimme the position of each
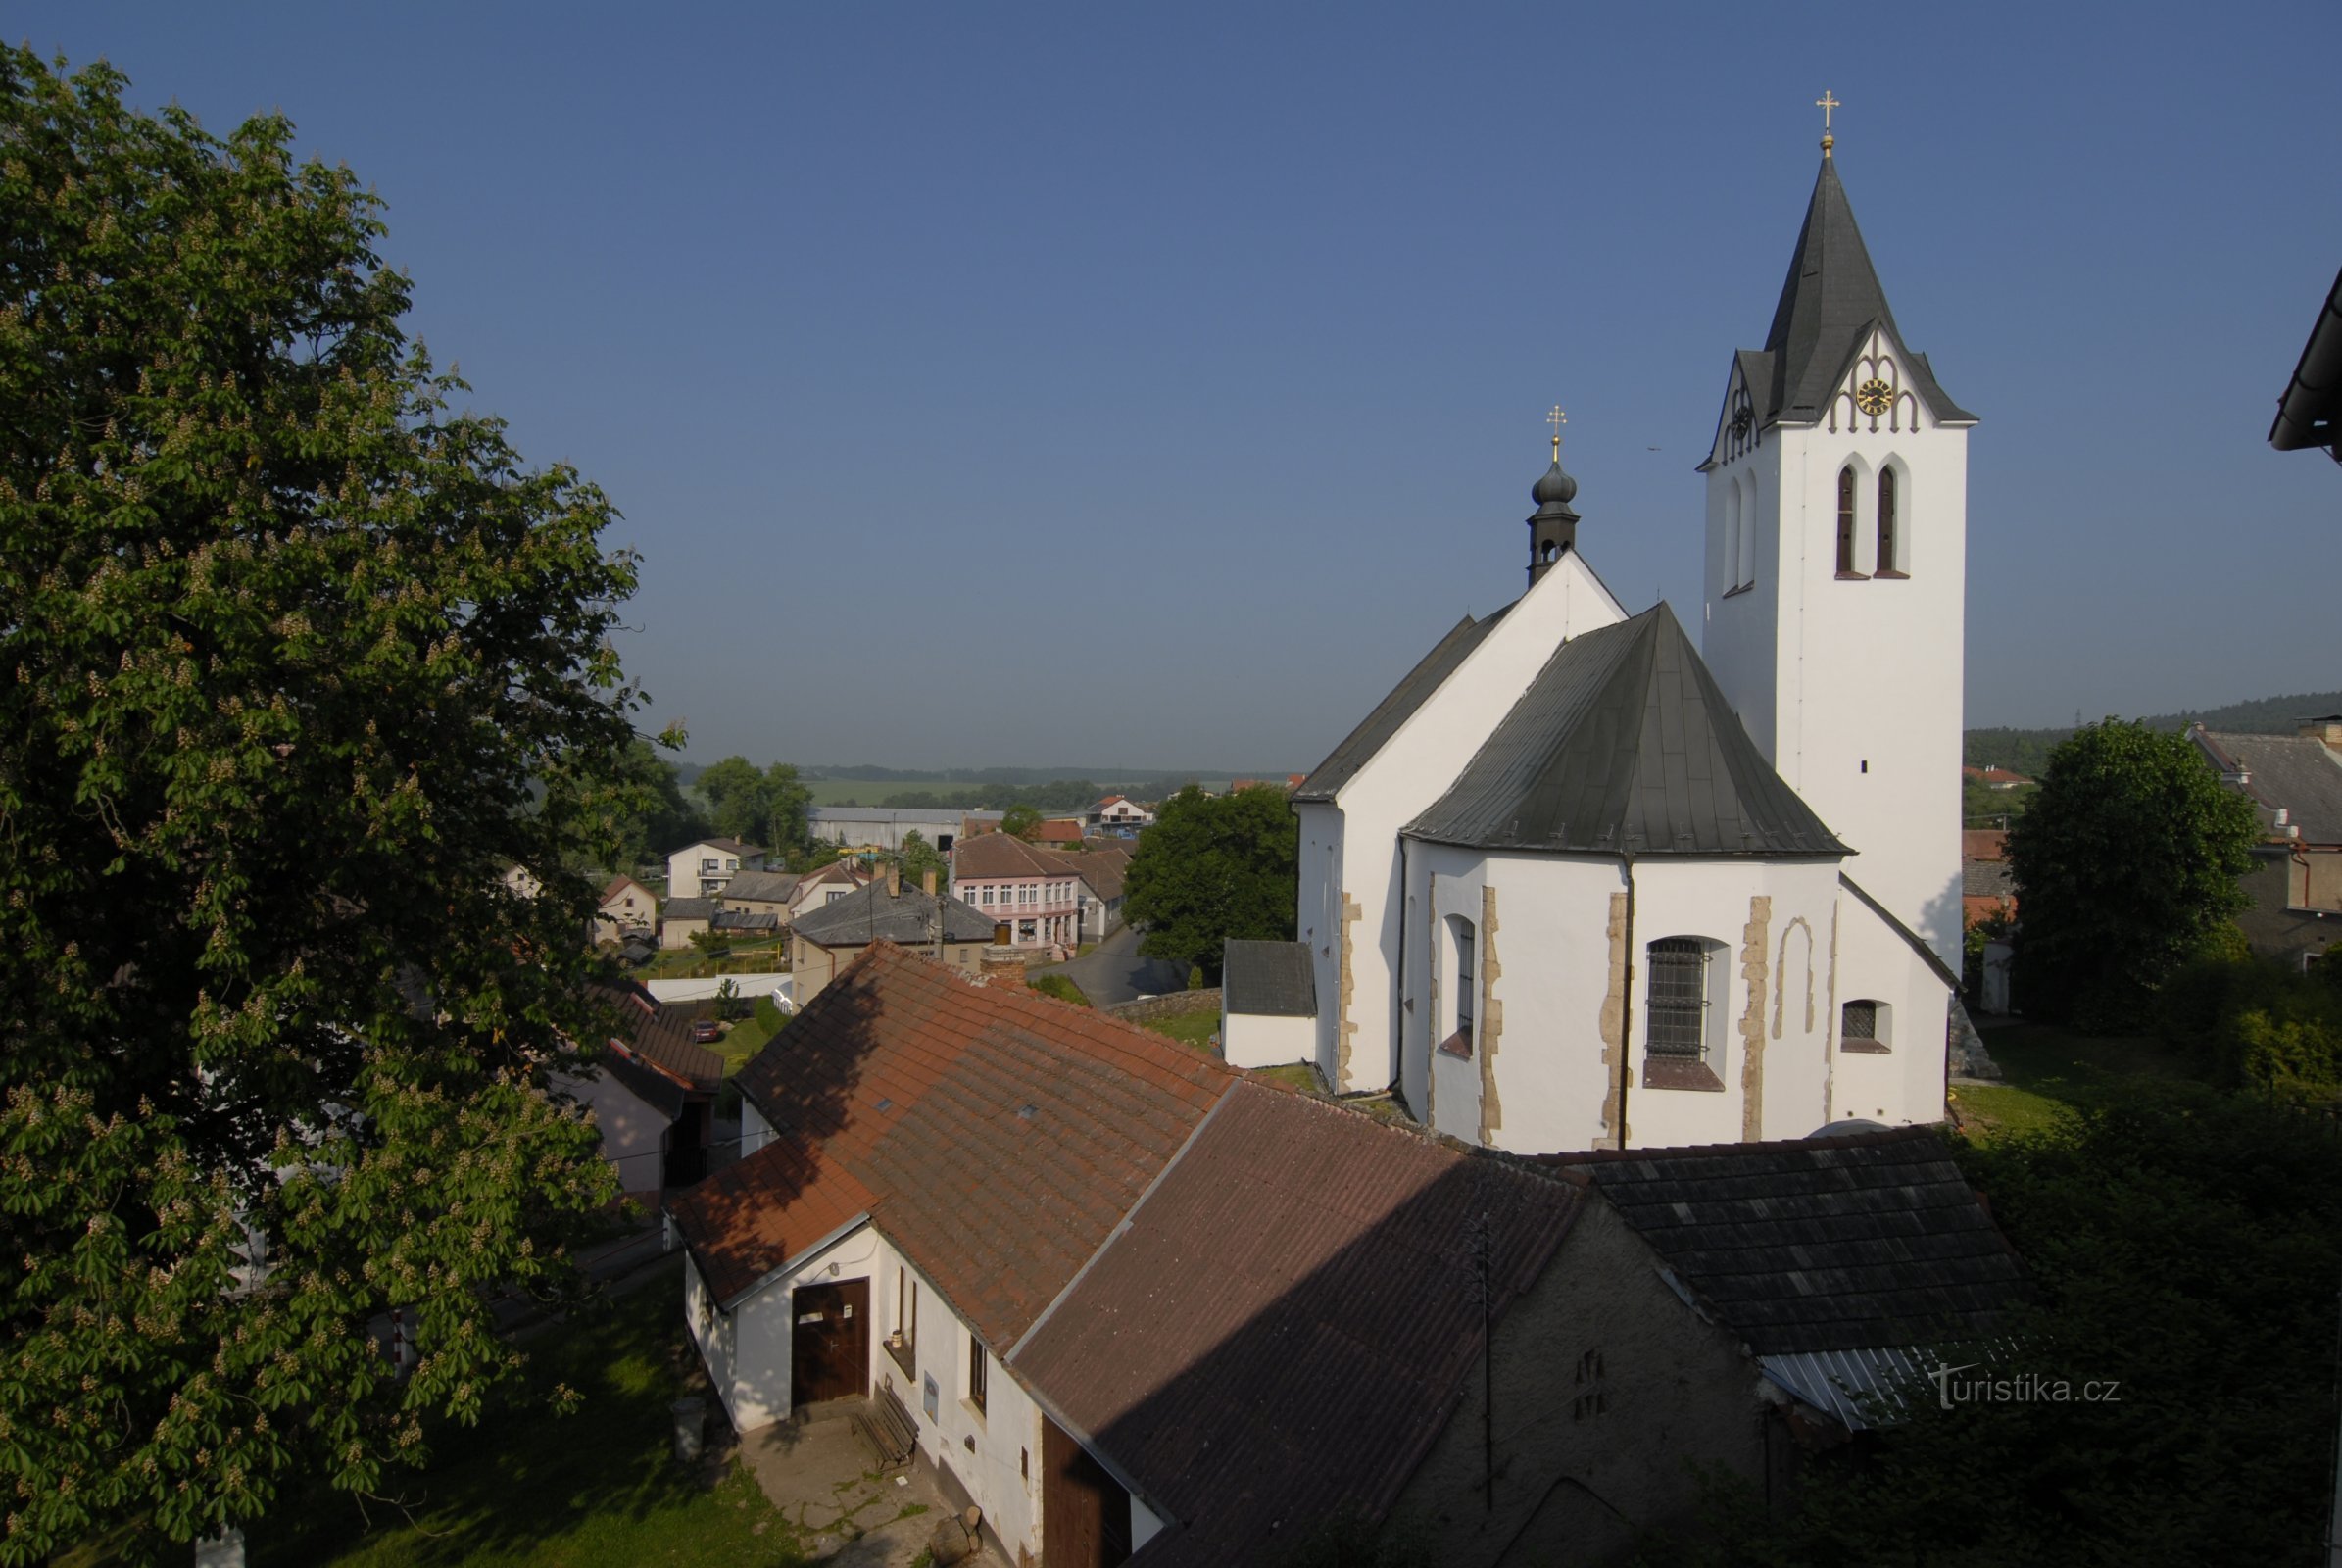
(706, 1032)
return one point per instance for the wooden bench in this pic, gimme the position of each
(886, 1429)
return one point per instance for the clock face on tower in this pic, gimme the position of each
(1874, 396)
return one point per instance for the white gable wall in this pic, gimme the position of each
(1906, 1083)
(1414, 769)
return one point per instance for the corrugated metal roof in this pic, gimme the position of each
(1281, 1330)
(1867, 1242)
(1624, 742)
(1274, 979)
(1360, 746)
(1001, 1135)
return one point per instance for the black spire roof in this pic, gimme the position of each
(1829, 304)
(1624, 743)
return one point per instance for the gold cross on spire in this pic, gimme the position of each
(1826, 104)
(1557, 419)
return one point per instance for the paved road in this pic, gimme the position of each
(1114, 972)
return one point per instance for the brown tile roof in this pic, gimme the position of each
(1103, 868)
(619, 885)
(1059, 830)
(993, 855)
(660, 1033)
(1001, 1135)
(757, 1213)
(1983, 843)
(1280, 1332)
(1863, 1242)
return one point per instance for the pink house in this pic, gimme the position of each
(1037, 894)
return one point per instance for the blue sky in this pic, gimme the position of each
(1148, 386)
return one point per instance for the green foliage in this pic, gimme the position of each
(2258, 1024)
(765, 808)
(300, 660)
(768, 1014)
(1214, 867)
(1020, 821)
(919, 857)
(1064, 990)
(1983, 805)
(668, 820)
(2124, 862)
(2186, 1248)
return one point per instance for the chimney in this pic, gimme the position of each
(927, 883)
(1002, 964)
(894, 880)
(2327, 729)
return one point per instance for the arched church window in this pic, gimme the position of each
(1745, 570)
(1845, 522)
(1890, 552)
(1732, 536)
(1460, 992)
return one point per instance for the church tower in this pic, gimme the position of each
(1835, 582)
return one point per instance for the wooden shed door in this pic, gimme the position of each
(829, 1344)
(1084, 1514)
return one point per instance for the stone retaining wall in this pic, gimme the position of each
(1172, 1005)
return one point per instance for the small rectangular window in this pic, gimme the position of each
(1862, 1020)
(979, 1372)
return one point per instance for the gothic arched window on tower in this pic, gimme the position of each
(1845, 522)
(1890, 540)
(1731, 538)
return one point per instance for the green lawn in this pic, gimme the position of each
(1189, 1028)
(527, 1489)
(2046, 1070)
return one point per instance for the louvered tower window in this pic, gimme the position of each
(1890, 555)
(1678, 1006)
(1846, 520)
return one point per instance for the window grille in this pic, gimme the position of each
(1861, 1021)
(1678, 1005)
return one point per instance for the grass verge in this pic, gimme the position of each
(2047, 1071)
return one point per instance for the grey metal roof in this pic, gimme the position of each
(744, 920)
(762, 887)
(1834, 1244)
(1270, 978)
(1828, 303)
(689, 909)
(2307, 412)
(2299, 774)
(1360, 746)
(898, 815)
(868, 915)
(1623, 742)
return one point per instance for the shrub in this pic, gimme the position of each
(769, 1014)
(1064, 990)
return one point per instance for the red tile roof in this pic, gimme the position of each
(993, 855)
(1059, 830)
(660, 1033)
(1280, 1333)
(1000, 1135)
(755, 1214)
(1983, 843)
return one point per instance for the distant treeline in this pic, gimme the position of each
(2026, 751)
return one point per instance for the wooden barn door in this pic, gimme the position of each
(829, 1343)
(1084, 1514)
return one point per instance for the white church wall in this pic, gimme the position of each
(1739, 637)
(1904, 1083)
(1319, 922)
(1413, 769)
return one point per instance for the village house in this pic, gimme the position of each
(1988, 886)
(681, 919)
(762, 893)
(628, 908)
(2295, 784)
(817, 889)
(1136, 1307)
(654, 1094)
(700, 869)
(1995, 778)
(1036, 893)
(824, 941)
(1102, 864)
(1118, 813)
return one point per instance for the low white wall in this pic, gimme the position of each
(704, 989)
(1263, 1040)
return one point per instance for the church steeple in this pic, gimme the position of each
(1554, 526)
(1830, 302)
